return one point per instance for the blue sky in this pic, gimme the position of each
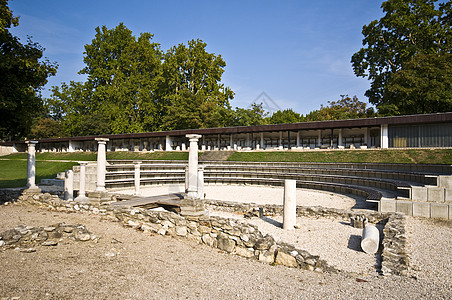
(297, 52)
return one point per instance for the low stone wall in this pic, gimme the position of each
(10, 195)
(229, 235)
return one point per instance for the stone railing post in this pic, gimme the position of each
(290, 204)
(82, 190)
(69, 185)
(137, 165)
(101, 164)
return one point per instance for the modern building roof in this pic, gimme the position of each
(318, 125)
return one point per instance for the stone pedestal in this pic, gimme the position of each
(31, 169)
(290, 204)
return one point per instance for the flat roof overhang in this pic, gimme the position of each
(317, 125)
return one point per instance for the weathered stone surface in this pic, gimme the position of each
(181, 230)
(209, 240)
(264, 243)
(245, 252)
(204, 229)
(285, 259)
(225, 243)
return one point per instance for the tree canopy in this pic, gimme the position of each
(23, 73)
(133, 86)
(406, 52)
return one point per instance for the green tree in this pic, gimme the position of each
(425, 85)
(256, 115)
(192, 88)
(409, 32)
(285, 116)
(345, 108)
(123, 73)
(23, 74)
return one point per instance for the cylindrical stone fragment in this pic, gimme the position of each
(290, 204)
(371, 239)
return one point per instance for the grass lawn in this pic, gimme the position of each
(13, 173)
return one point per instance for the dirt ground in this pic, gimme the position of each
(128, 264)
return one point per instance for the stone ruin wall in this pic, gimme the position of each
(235, 236)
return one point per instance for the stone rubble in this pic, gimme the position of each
(228, 235)
(26, 238)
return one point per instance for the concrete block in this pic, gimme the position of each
(419, 193)
(439, 211)
(448, 195)
(421, 209)
(445, 181)
(387, 205)
(404, 207)
(435, 194)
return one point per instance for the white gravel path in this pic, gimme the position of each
(333, 240)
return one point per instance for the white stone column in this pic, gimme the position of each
(371, 239)
(319, 140)
(82, 182)
(192, 191)
(71, 147)
(298, 139)
(201, 182)
(339, 142)
(31, 164)
(168, 146)
(290, 204)
(231, 142)
(183, 147)
(101, 164)
(137, 165)
(69, 185)
(384, 138)
(280, 139)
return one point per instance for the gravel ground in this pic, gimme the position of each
(144, 266)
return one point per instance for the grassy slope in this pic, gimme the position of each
(415, 156)
(13, 168)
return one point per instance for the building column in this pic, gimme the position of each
(262, 140)
(280, 140)
(319, 140)
(168, 143)
(31, 165)
(71, 147)
(298, 139)
(339, 138)
(384, 136)
(101, 164)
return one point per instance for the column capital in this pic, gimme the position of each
(83, 163)
(193, 137)
(137, 162)
(31, 143)
(102, 140)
